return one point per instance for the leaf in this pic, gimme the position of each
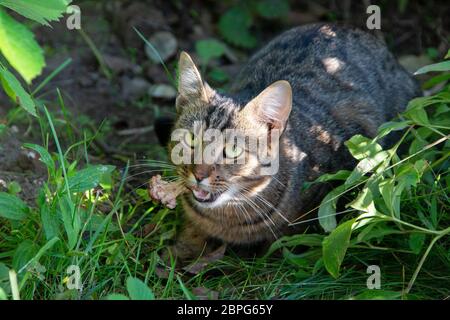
(272, 9)
(388, 127)
(23, 254)
(418, 115)
(88, 178)
(340, 175)
(366, 165)
(38, 10)
(45, 156)
(441, 66)
(335, 246)
(138, 290)
(71, 220)
(12, 208)
(327, 209)
(16, 92)
(361, 147)
(364, 203)
(208, 49)
(3, 295)
(416, 242)
(117, 296)
(311, 240)
(19, 47)
(50, 222)
(378, 295)
(14, 188)
(234, 27)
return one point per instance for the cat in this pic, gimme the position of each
(317, 85)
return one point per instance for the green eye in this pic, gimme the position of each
(232, 151)
(190, 140)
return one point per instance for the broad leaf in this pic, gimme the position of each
(11, 207)
(272, 9)
(88, 178)
(234, 27)
(441, 66)
(335, 246)
(19, 47)
(327, 209)
(45, 156)
(361, 147)
(209, 49)
(138, 290)
(16, 92)
(42, 11)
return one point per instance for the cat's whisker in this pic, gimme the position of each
(325, 216)
(267, 203)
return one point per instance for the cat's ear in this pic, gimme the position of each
(273, 105)
(190, 84)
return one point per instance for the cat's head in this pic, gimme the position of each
(224, 167)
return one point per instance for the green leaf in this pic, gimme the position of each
(327, 209)
(218, 75)
(16, 92)
(340, 175)
(441, 66)
(366, 165)
(14, 188)
(416, 242)
(361, 147)
(19, 47)
(272, 9)
(23, 254)
(12, 208)
(3, 295)
(388, 127)
(138, 290)
(88, 178)
(117, 296)
(209, 49)
(45, 156)
(365, 204)
(50, 222)
(335, 246)
(378, 295)
(71, 220)
(234, 26)
(42, 11)
(310, 240)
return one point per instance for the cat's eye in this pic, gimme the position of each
(232, 151)
(190, 140)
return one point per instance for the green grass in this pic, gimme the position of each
(88, 216)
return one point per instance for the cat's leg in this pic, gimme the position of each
(191, 243)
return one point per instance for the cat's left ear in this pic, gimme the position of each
(190, 84)
(273, 105)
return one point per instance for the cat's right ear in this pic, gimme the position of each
(190, 84)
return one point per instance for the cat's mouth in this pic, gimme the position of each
(202, 195)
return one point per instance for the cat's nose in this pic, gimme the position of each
(201, 172)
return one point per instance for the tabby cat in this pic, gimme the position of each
(318, 85)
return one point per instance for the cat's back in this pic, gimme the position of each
(327, 64)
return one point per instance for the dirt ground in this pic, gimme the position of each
(117, 95)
